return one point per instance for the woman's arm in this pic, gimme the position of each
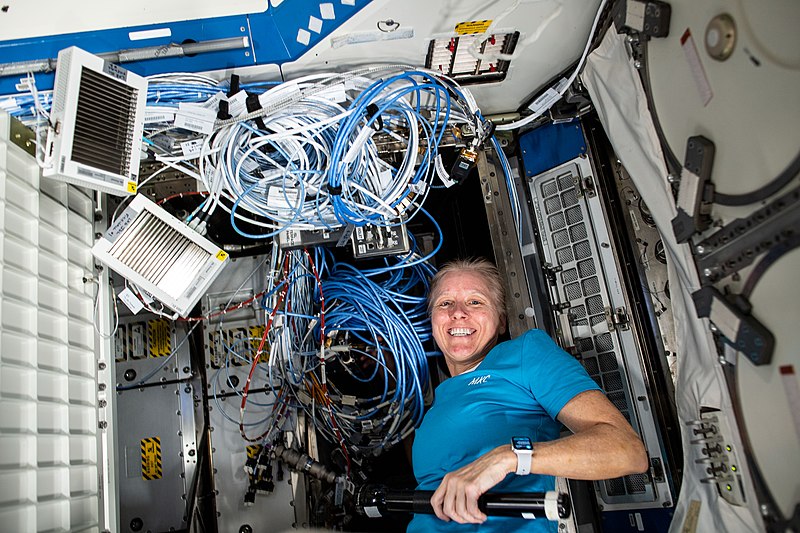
(603, 446)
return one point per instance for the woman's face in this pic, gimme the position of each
(465, 320)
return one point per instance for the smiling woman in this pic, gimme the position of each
(467, 314)
(521, 390)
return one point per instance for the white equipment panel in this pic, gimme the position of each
(50, 439)
(746, 104)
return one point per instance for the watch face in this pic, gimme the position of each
(521, 443)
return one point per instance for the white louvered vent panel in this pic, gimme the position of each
(48, 383)
(174, 260)
(159, 254)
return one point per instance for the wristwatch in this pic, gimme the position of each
(523, 448)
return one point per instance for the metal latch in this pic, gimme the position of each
(585, 186)
(618, 318)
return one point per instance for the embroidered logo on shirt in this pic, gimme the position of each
(478, 381)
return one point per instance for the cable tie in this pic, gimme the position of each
(333, 190)
(223, 112)
(254, 104)
(234, 88)
(372, 110)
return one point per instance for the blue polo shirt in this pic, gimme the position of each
(517, 390)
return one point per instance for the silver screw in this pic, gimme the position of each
(700, 249)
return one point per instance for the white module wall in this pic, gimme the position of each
(49, 468)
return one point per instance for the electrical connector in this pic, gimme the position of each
(463, 165)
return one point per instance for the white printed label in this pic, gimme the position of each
(147, 297)
(696, 68)
(131, 301)
(213, 102)
(372, 512)
(195, 118)
(335, 94)
(159, 115)
(237, 104)
(191, 149)
(282, 199)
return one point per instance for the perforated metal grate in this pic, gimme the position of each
(560, 238)
(618, 399)
(569, 198)
(557, 222)
(566, 181)
(584, 285)
(612, 382)
(577, 232)
(551, 205)
(584, 345)
(572, 291)
(590, 286)
(608, 361)
(594, 304)
(564, 255)
(586, 268)
(574, 215)
(615, 487)
(598, 319)
(635, 483)
(591, 365)
(578, 311)
(549, 188)
(582, 250)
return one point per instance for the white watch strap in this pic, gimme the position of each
(523, 462)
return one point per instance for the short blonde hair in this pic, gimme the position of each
(481, 267)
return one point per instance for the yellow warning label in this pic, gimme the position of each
(222, 255)
(256, 332)
(253, 450)
(151, 458)
(159, 337)
(475, 26)
(131, 187)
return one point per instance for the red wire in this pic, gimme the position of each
(322, 361)
(257, 358)
(181, 195)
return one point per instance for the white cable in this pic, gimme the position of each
(563, 84)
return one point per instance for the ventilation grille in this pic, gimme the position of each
(172, 260)
(104, 123)
(568, 236)
(159, 254)
(98, 113)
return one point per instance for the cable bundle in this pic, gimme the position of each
(385, 311)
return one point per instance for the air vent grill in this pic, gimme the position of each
(172, 260)
(104, 123)
(98, 113)
(159, 254)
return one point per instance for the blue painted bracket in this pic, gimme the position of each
(548, 146)
(277, 35)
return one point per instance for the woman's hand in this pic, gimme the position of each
(457, 495)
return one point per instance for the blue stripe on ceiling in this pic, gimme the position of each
(277, 35)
